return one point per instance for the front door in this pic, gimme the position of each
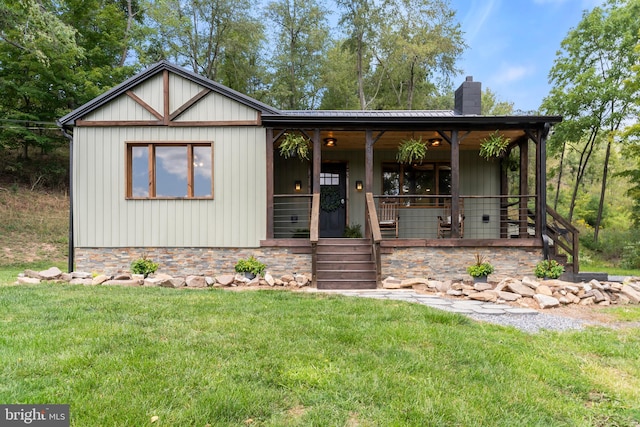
(333, 196)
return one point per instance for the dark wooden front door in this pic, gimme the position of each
(333, 199)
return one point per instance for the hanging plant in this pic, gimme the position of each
(294, 144)
(330, 199)
(494, 146)
(411, 151)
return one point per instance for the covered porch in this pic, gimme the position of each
(352, 180)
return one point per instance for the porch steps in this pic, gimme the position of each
(345, 264)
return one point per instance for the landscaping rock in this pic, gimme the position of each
(545, 301)
(631, 293)
(490, 296)
(225, 279)
(392, 283)
(100, 279)
(50, 274)
(482, 286)
(517, 287)
(269, 279)
(195, 282)
(544, 290)
(533, 284)
(122, 282)
(408, 283)
(28, 280)
(509, 296)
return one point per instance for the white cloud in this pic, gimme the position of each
(513, 73)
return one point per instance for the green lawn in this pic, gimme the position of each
(120, 356)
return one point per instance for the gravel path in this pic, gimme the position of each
(533, 323)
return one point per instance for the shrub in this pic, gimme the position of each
(144, 266)
(353, 231)
(631, 256)
(480, 268)
(549, 269)
(250, 265)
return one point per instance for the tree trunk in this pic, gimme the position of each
(555, 202)
(605, 171)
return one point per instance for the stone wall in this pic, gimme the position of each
(187, 261)
(452, 263)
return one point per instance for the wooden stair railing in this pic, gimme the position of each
(564, 236)
(314, 235)
(376, 235)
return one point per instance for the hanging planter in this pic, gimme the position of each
(294, 145)
(412, 151)
(494, 146)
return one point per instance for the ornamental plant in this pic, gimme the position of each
(480, 268)
(294, 144)
(549, 268)
(250, 265)
(494, 146)
(411, 151)
(144, 266)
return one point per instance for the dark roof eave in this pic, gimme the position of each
(461, 122)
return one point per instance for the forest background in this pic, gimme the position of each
(55, 55)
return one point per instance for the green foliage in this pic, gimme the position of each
(411, 151)
(143, 266)
(250, 265)
(353, 231)
(549, 269)
(631, 256)
(480, 268)
(494, 146)
(294, 145)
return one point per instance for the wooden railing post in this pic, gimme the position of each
(314, 236)
(376, 235)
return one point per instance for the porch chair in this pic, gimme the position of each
(388, 216)
(444, 222)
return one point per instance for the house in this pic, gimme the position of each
(188, 172)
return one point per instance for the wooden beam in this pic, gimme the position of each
(317, 161)
(270, 182)
(455, 184)
(144, 105)
(189, 104)
(165, 96)
(113, 123)
(523, 217)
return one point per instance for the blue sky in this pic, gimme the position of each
(512, 44)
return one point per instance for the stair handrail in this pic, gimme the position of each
(314, 235)
(571, 245)
(376, 235)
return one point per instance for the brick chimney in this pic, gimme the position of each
(468, 97)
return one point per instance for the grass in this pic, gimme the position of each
(120, 356)
(598, 266)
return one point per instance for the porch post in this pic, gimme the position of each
(317, 161)
(541, 181)
(368, 174)
(270, 181)
(524, 188)
(455, 184)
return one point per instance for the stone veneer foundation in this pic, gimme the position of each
(451, 263)
(188, 261)
(434, 263)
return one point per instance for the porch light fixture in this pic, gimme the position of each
(359, 185)
(330, 142)
(298, 185)
(435, 142)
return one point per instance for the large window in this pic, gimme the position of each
(170, 170)
(428, 179)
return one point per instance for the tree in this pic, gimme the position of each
(588, 77)
(37, 56)
(216, 38)
(299, 53)
(341, 89)
(418, 48)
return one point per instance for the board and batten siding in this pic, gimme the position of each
(103, 217)
(213, 106)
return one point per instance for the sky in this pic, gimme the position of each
(512, 44)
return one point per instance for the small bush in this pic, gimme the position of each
(144, 266)
(353, 231)
(631, 256)
(250, 265)
(480, 268)
(549, 269)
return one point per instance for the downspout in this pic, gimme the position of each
(71, 246)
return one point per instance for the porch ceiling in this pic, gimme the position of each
(390, 139)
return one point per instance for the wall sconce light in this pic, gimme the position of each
(330, 142)
(435, 142)
(359, 185)
(298, 185)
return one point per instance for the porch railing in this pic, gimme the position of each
(482, 217)
(374, 233)
(291, 216)
(564, 245)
